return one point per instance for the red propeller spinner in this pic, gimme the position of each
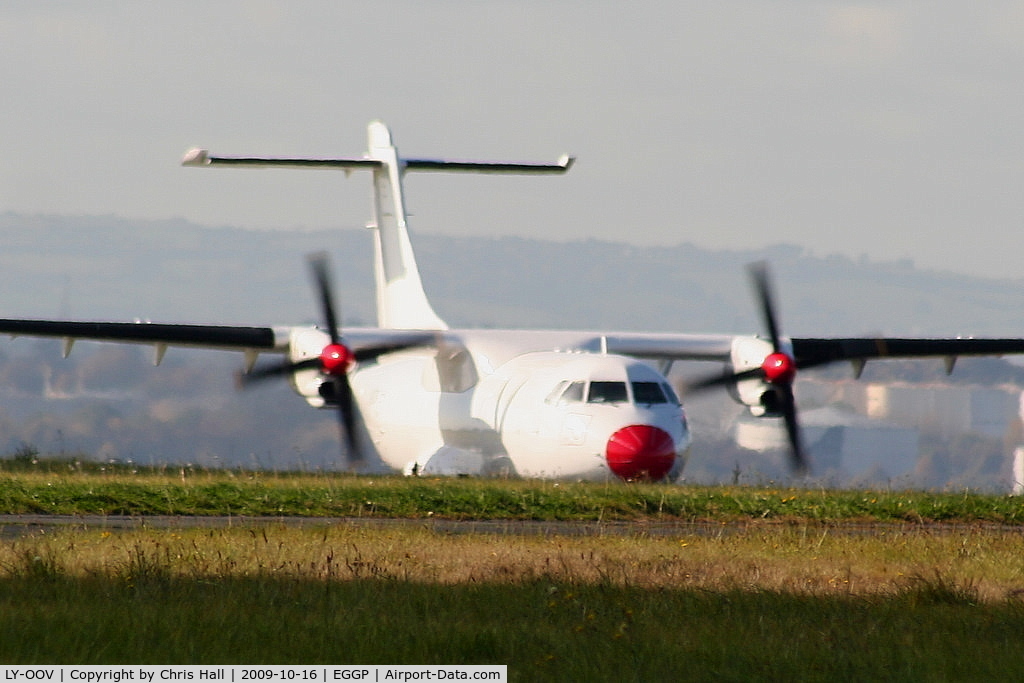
(778, 368)
(336, 359)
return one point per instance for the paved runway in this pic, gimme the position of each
(16, 526)
(12, 526)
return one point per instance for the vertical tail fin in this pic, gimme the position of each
(401, 300)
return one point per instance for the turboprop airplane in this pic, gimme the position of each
(426, 399)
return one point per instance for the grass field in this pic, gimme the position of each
(773, 585)
(71, 487)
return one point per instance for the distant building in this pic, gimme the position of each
(844, 448)
(947, 410)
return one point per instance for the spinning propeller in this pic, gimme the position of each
(334, 362)
(777, 370)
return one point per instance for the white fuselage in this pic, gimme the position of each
(483, 403)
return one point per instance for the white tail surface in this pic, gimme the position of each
(401, 301)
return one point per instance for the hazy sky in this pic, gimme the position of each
(894, 130)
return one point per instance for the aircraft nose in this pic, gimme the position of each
(640, 452)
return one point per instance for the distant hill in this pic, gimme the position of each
(115, 268)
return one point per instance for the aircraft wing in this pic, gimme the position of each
(666, 346)
(810, 352)
(251, 340)
(205, 336)
(807, 351)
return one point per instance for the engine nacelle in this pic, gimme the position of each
(305, 343)
(749, 353)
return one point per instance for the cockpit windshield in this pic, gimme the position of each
(607, 392)
(648, 392)
(643, 393)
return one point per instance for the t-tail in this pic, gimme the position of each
(401, 301)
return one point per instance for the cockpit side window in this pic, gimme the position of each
(671, 394)
(573, 393)
(556, 393)
(607, 392)
(648, 393)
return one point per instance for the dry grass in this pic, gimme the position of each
(986, 564)
(760, 602)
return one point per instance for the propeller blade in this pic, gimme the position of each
(719, 380)
(787, 405)
(342, 389)
(371, 353)
(347, 418)
(322, 280)
(276, 370)
(761, 280)
(783, 384)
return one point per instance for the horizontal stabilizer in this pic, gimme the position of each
(201, 157)
(445, 165)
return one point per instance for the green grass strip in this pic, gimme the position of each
(61, 488)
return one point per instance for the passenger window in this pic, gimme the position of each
(648, 393)
(573, 393)
(607, 392)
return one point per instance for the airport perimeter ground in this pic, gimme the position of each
(566, 582)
